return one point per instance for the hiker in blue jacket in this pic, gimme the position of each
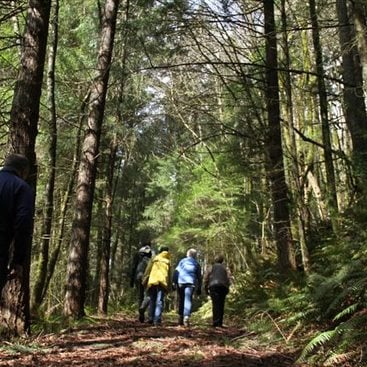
(16, 216)
(187, 278)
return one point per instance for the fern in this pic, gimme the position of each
(347, 311)
(316, 342)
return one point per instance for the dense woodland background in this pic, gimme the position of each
(237, 127)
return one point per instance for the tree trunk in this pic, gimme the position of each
(354, 104)
(50, 186)
(24, 114)
(107, 232)
(300, 209)
(326, 138)
(360, 15)
(279, 188)
(78, 256)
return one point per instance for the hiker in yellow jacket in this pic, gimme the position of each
(157, 279)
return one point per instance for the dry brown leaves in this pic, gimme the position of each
(125, 342)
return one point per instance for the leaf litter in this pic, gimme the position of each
(122, 341)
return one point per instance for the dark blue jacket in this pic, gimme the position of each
(16, 215)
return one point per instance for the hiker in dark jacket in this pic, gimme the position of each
(16, 216)
(217, 280)
(140, 263)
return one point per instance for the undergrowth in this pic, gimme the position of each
(323, 313)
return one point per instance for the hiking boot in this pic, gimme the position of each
(186, 321)
(180, 320)
(141, 316)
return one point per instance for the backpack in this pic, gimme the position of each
(140, 269)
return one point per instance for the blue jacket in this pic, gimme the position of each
(188, 271)
(16, 215)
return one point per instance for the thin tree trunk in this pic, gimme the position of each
(326, 138)
(24, 115)
(301, 212)
(50, 186)
(279, 189)
(107, 231)
(64, 206)
(78, 256)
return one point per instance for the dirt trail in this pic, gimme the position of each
(126, 342)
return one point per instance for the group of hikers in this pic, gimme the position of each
(153, 278)
(151, 275)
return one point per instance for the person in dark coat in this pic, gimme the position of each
(217, 280)
(140, 263)
(16, 216)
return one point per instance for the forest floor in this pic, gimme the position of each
(123, 341)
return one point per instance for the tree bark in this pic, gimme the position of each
(326, 138)
(24, 115)
(78, 256)
(279, 188)
(360, 14)
(107, 232)
(354, 103)
(52, 150)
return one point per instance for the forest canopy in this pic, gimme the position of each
(233, 127)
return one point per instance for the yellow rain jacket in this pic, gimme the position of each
(158, 271)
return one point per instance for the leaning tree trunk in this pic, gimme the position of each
(78, 255)
(52, 150)
(14, 307)
(279, 188)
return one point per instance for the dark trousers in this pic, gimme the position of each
(3, 273)
(143, 298)
(218, 295)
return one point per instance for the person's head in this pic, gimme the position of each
(19, 163)
(163, 248)
(191, 253)
(219, 259)
(145, 251)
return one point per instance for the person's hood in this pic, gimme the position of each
(163, 256)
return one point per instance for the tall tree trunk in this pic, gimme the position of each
(64, 205)
(107, 232)
(359, 9)
(279, 188)
(354, 103)
(300, 210)
(50, 186)
(326, 138)
(24, 115)
(78, 256)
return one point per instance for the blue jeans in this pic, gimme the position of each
(156, 294)
(185, 293)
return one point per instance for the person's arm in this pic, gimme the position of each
(206, 279)
(146, 275)
(23, 223)
(133, 270)
(199, 279)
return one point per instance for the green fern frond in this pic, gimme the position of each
(347, 311)
(318, 341)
